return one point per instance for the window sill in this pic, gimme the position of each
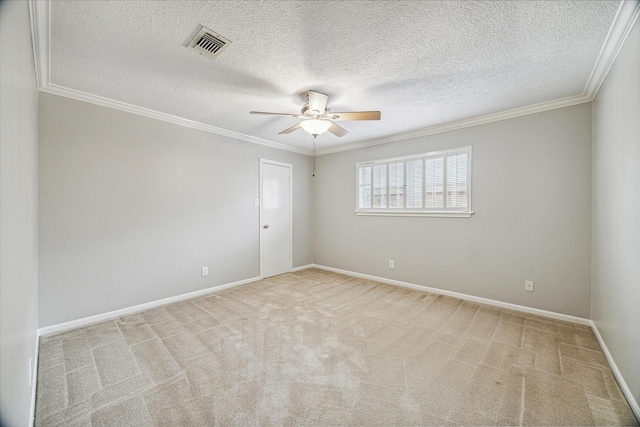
(425, 214)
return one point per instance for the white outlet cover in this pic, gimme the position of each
(528, 285)
(205, 271)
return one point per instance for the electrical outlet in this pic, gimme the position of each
(256, 201)
(528, 285)
(205, 271)
(392, 264)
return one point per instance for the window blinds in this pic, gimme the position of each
(430, 182)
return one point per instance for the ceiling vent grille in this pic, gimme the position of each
(208, 43)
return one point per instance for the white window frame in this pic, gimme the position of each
(450, 212)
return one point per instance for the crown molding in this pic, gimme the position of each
(625, 18)
(461, 124)
(39, 12)
(134, 109)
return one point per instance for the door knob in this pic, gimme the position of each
(265, 226)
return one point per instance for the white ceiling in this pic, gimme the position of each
(424, 64)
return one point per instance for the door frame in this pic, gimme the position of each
(290, 167)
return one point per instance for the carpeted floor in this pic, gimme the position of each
(318, 348)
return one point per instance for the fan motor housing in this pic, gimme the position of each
(308, 113)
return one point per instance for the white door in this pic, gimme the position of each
(275, 218)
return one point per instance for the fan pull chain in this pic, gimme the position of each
(314, 155)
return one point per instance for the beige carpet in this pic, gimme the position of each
(318, 348)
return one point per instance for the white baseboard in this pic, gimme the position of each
(616, 373)
(302, 267)
(136, 308)
(487, 301)
(34, 382)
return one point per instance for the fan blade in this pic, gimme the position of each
(337, 130)
(355, 115)
(291, 129)
(317, 101)
(276, 114)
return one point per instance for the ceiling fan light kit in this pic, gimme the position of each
(315, 126)
(317, 118)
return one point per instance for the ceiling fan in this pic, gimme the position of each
(317, 118)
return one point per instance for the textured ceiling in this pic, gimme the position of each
(421, 63)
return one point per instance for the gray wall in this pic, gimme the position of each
(131, 208)
(616, 212)
(18, 209)
(532, 202)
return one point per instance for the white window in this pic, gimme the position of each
(430, 184)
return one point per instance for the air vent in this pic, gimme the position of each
(208, 43)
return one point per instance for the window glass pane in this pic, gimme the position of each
(364, 187)
(415, 174)
(380, 186)
(457, 180)
(396, 185)
(434, 181)
(365, 197)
